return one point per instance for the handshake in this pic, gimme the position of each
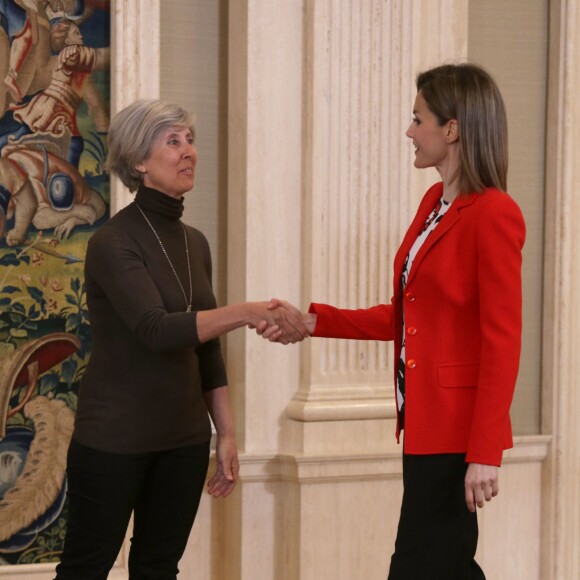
(280, 321)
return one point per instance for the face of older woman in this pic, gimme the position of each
(170, 167)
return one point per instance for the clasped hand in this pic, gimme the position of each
(280, 321)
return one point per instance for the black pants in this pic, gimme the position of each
(437, 534)
(162, 488)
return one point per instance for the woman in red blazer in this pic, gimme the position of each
(455, 318)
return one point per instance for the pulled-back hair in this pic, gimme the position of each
(467, 93)
(133, 133)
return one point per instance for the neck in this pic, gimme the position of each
(450, 190)
(154, 201)
(449, 172)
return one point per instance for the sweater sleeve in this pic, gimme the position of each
(375, 323)
(501, 235)
(115, 265)
(211, 363)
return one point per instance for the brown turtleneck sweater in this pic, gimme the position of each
(143, 387)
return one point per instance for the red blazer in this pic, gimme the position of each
(463, 315)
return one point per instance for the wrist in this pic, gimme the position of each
(249, 313)
(310, 322)
(226, 436)
(253, 312)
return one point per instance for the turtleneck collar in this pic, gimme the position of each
(154, 201)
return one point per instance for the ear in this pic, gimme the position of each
(452, 131)
(140, 167)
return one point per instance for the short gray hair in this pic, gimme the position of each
(133, 133)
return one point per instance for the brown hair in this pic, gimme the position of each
(467, 93)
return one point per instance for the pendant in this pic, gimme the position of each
(188, 309)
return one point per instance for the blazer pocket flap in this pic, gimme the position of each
(458, 375)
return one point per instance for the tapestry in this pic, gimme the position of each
(54, 193)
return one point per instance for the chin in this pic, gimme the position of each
(421, 164)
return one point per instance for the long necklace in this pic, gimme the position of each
(189, 303)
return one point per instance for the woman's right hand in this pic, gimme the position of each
(274, 332)
(278, 319)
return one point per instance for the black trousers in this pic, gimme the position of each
(437, 534)
(163, 489)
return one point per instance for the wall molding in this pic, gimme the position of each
(46, 571)
(342, 403)
(303, 468)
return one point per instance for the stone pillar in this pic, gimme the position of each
(360, 188)
(561, 400)
(321, 190)
(264, 260)
(135, 43)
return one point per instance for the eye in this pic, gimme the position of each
(416, 121)
(173, 141)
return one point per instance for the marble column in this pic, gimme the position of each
(135, 44)
(321, 189)
(561, 364)
(360, 189)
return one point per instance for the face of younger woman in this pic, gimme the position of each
(432, 141)
(170, 167)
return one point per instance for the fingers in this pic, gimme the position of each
(481, 485)
(281, 322)
(469, 499)
(290, 320)
(224, 480)
(259, 328)
(272, 333)
(221, 485)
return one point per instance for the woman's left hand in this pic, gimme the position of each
(481, 483)
(224, 479)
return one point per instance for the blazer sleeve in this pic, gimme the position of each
(374, 323)
(500, 239)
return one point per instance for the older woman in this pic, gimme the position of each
(142, 432)
(456, 320)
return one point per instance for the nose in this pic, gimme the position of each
(409, 132)
(190, 152)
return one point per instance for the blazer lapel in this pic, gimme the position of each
(451, 217)
(426, 207)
